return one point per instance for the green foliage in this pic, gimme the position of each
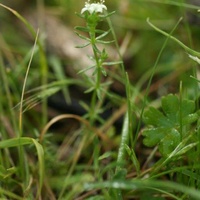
(169, 127)
(19, 142)
(99, 155)
(94, 38)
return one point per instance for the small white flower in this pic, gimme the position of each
(94, 7)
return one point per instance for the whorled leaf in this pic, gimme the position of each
(165, 127)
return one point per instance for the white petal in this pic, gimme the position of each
(83, 10)
(94, 7)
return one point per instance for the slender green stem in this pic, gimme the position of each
(94, 99)
(189, 50)
(95, 92)
(92, 108)
(181, 117)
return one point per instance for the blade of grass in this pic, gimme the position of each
(43, 61)
(17, 142)
(126, 130)
(24, 85)
(10, 194)
(40, 153)
(146, 184)
(22, 159)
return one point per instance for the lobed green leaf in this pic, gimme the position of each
(165, 126)
(156, 118)
(170, 106)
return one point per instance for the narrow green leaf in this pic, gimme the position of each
(9, 172)
(107, 14)
(103, 71)
(40, 154)
(105, 155)
(86, 69)
(48, 92)
(103, 35)
(81, 28)
(82, 46)
(104, 42)
(145, 184)
(112, 63)
(134, 159)
(90, 90)
(15, 142)
(124, 141)
(83, 37)
(186, 149)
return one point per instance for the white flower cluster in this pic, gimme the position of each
(94, 7)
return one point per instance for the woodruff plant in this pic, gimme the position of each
(93, 14)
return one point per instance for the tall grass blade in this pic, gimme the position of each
(146, 184)
(24, 85)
